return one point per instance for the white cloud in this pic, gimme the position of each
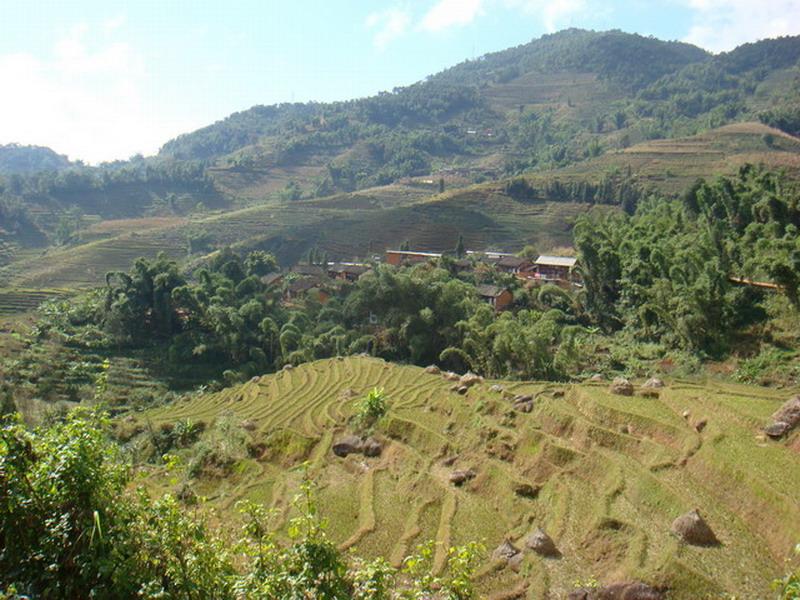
(451, 13)
(388, 25)
(721, 25)
(85, 99)
(554, 14)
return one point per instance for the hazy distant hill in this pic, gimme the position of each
(15, 158)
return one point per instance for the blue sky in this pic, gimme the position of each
(101, 80)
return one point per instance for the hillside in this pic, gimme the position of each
(605, 475)
(359, 224)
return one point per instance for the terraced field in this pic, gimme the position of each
(25, 300)
(607, 473)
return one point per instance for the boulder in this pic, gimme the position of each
(522, 398)
(526, 406)
(248, 425)
(450, 376)
(786, 418)
(255, 379)
(621, 387)
(432, 370)
(618, 591)
(653, 383)
(526, 490)
(700, 425)
(372, 447)
(288, 367)
(462, 389)
(505, 551)
(777, 430)
(542, 544)
(459, 478)
(596, 378)
(497, 389)
(470, 379)
(693, 529)
(686, 414)
(347, 445)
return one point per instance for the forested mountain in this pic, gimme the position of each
(555, 100)
(15, 158)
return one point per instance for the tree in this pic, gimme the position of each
(460, 250)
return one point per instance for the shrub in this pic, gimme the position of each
(372, 407)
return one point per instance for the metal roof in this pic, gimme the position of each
(557, 261)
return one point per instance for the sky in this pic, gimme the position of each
(101, 80)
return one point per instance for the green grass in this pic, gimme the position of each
(607, 497)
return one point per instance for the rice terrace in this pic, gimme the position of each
(526, 329)
(604, 475)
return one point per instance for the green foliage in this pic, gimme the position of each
(372, 407)
(788, 587)
(71, 530)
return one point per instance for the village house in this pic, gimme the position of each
(401, 257)
(347, 271)
(498, 298)
(558, 269)
(310, 285)
(271, 279)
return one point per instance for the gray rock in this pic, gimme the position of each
(505, 551)
(372, 447)
(542, 544)
(470, 379)
(786, 418)
(347, 445)
(621, 387)
(432, 370)
(459, 478)
(653, 383)
(693, 529)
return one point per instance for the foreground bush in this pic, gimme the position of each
(71, 528)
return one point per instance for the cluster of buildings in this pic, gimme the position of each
(323, 280)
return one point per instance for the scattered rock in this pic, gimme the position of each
(693, 529)
(618, 591)
(596, 378)
(515, 562)
(526, 490)
(653, 383)
(558, 393)
(454, 387)
(686, 414)
(372, 447)
(526, 406)
(255, 379)
(777, 430)
(700, 425)
(450, 376)
(288, 367)
(621, 387)
(519, 398)
(462, 389)
(625, 429)
(786, 418)
(432, 370)
(505, 551)
(248, 425)
(470, 379)
(496, 388)
(542, 544)
(459, 478)
(449, 461)
(347, 445)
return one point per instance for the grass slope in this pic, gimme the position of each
(613, 473)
